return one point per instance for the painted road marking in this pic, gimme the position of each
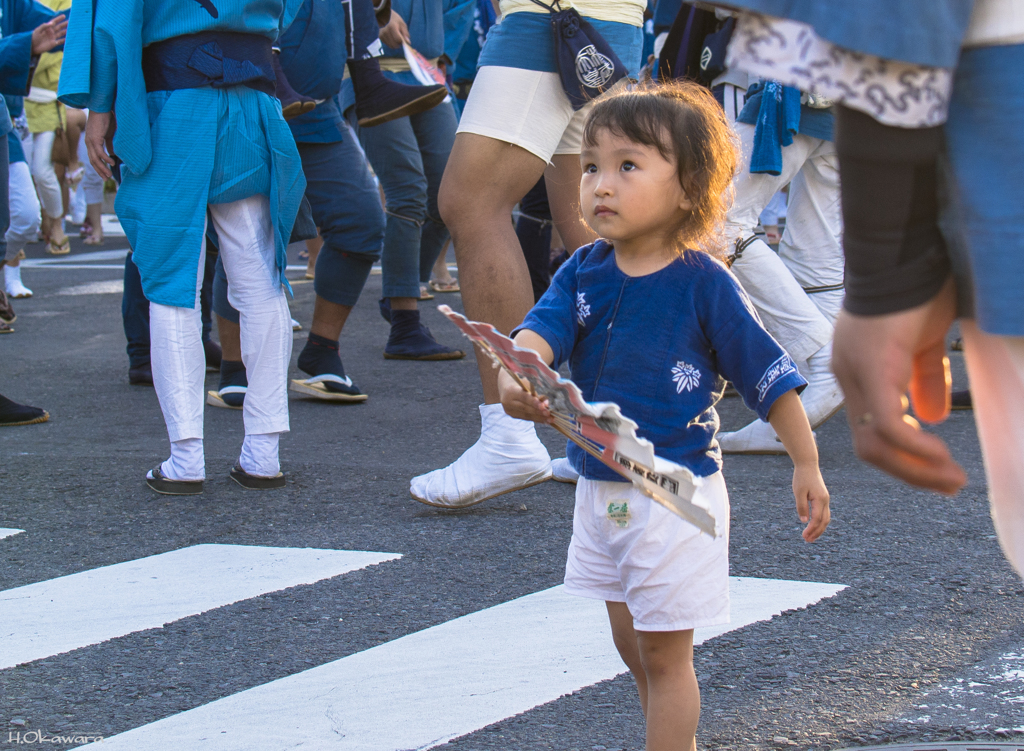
(9, 532)
(78, 258)
(424, 689)
(114, 287)
(55, 616)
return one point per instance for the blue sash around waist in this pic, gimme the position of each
(219, 59)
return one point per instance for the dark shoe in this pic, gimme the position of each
(253, 482)
(957, 345)
(384, 304)
(162, 485)
(320, 360)
(7, 314)
(233, 385)
(411, 340)
(213, 354)
(380, 100)
(141, 375)
(293, 103)
(962, 400)
(6, 328)
(12, 413)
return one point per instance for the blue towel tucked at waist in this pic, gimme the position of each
(777, 121)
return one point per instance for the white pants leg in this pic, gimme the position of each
(254, 289)
(92, 183)
(995, 365)
(24, 209)
(179, 375)
(46, 178)
(812, 244)
(785, 309)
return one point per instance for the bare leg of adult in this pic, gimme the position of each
(476, 205)
(562, 178)
(995, 365)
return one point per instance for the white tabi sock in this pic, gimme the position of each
(508, 456)
(187, 461)
(260, 455)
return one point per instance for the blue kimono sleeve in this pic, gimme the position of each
(88, 77)
(553, 318)
(15, 63)
(746, 354)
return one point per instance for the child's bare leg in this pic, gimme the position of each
(673, 697)
(625, 641)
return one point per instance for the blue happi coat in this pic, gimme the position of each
(182, 149)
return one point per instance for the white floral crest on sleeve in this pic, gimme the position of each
(685, 376)
(582, 308)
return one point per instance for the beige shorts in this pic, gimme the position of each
(526, 107)
(627, 548)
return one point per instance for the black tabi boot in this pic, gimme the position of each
(379, 99)
(293, 103)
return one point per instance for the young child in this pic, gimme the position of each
(646, 321)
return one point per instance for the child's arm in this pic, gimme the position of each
(517, 402)
(788, 418)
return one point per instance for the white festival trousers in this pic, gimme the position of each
(46, 179)
(811, 252)
(24, 205)
(179, 362)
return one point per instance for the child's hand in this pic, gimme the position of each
(521, 404)
(811, 500)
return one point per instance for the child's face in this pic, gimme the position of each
(630, 191)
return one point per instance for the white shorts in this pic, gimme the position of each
(627, 548)
(527, 108)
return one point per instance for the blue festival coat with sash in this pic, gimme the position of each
(925, 32)
(18, 19)
(186, 148)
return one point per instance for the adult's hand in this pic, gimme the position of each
(49, 35)
(95, 142)
(878, 359)
(396, 32)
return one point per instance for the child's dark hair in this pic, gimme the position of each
(684, 122)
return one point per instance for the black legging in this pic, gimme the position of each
(896, 257)
(534, 232)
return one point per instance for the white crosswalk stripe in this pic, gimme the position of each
(9, 532)
(51, 617)
(424, 689)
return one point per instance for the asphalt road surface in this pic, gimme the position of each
(395, 625)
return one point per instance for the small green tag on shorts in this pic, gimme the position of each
(619, 513)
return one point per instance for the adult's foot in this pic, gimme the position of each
(961, 400)
(562, 471)
(256, 482)
(12, 413)
(141, 375)
(7, 314)
(233, 385)
(411, 340)
(293, 103)
(380, 100)
(821, 399)
(508, 456)
(321, 361)
(13, 284)
(156, 480)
